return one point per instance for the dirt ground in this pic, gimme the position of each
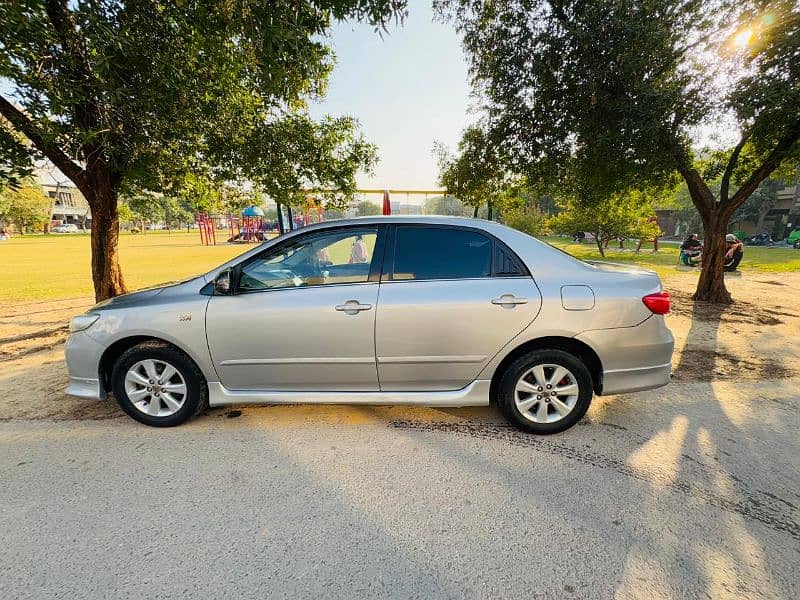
(757, 338)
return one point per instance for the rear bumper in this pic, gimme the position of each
(634, 358)
(635, 380)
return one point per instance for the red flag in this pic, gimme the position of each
(387, 205)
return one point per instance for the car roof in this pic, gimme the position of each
(400, 219)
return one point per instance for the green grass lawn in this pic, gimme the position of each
(57, 266)
(664, 261)
(45, 267)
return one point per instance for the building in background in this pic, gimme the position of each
(68, 206)
(781, 217)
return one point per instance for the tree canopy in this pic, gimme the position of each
(24, 205)
(624, 216)
(611, 95)
(476, 174)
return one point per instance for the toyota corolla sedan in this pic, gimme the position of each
(433, 311)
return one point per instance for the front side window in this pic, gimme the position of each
(441, 253)
(325, 259)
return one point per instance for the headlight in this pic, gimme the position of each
(82, 322)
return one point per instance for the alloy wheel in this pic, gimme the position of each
(546, 393)
(155, 388)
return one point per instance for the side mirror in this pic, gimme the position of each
(223, 284)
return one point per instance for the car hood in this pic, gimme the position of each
(147, 294)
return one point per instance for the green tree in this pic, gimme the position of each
(176, 213)
(133, 95)
(145, 208)
(528, 219)
(329, 214)
(614, 91)
(446, 205)
(24, 205)
(365, 208)
(625, 216)
(475, 174)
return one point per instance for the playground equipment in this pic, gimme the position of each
(205, 224)
(250, 227)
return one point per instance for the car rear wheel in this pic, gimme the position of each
(545, 391)
(158, 385)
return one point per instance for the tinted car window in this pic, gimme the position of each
(506, 264)
(441, 253)
(337, 257)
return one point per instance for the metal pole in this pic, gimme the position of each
(281, 230)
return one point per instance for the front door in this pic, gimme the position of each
(451, 299)
(303, 317)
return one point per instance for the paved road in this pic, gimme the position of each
(692, 497)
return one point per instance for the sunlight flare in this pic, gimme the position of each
(743, 38)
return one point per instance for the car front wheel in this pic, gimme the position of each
(545, 391)
(158, 385)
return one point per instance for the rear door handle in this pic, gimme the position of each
(352, 307)
(509, 300)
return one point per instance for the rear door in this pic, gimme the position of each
(450, 299)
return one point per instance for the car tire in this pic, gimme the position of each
(153, 401)
(544, 411)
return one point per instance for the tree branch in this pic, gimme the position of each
(726, 176)
(772, 162)
(24, 125)
(86, 112)
(65, 28)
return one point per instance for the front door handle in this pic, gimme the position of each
(509, 300)
(352, 307)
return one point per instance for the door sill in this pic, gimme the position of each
(475, 394)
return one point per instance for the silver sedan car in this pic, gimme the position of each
(433, 311)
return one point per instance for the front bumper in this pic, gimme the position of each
(85, 388)
(83, 364)
(634, 358)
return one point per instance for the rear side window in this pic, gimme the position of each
(506, 264)
(441, 253)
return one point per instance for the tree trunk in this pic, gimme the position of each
(490, 211)
(711, 285)
(106, 272)
(598, 239)
(475, 212)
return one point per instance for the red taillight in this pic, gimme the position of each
(658, 302)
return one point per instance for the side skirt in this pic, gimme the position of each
(475, 394)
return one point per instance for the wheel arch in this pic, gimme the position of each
(115, 350)
(577, 348)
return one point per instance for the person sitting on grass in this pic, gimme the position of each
(734, 251)
(692, 249)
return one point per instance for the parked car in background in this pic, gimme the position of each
(437, 311)
(155, 226)
(65, 228)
